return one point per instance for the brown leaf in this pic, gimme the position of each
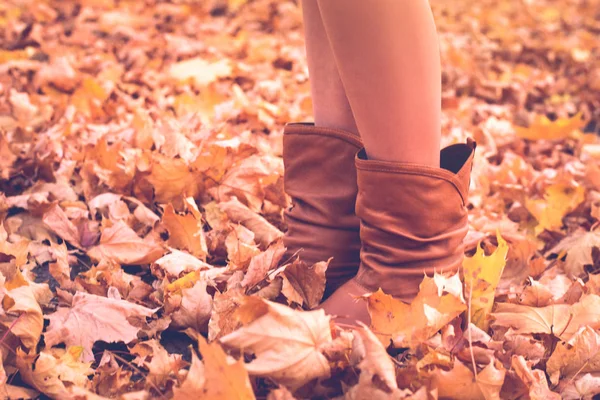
(195, 309)
(535, 380)
(121, 244)
(461, 383)
(438, 302)
(560, 319)
(215, 377)
(287, 343)
(53, 371)
(185, 232)
(262, 263)
(305, 284)
(91, 318)
(56, 219)
(239, 213)
(579, 355)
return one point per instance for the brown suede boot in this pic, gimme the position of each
(413, 221)
(320, 176)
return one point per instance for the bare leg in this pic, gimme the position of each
(387, 55)
(330, 104)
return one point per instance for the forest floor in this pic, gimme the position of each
(141, 204)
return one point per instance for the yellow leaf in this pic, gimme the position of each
(185, 282)
(481, 276)
(439, 301)
(543, 128)
(559, 200)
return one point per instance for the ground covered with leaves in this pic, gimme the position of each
(141, 204)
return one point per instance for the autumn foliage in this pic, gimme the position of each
(141, 203)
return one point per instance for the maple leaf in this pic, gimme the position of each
(262, 263)
(375, 364)
(91, 318)
(120, 243)
(580, 354)
(304, 284)
(481, 277)
(172, 177)
(586, 387)
(561, 320)
(544, 128)
(559, 199)
(185, 232)
(215, 377)
(53, 371)
(439, 301)
(177, 262)
(578, 246)
(21, 311)
(195, 308)
(534, 380)
(461, 383)
(287, 344)
(18, 250)
(222, 319)
(161, 365)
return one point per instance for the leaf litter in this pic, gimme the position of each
(141, 210)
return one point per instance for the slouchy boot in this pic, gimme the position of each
(413, 222)
(320, 176)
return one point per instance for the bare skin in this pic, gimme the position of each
(387, 54)
(331, 108)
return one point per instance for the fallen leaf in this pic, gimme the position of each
(535, 380)
(121, 244)
(439, 301)
(262, 263)
(304, 284)
(52, 372)
(200, 71)
(286, 343)
(195, 308)
(481, 277)
(461, 383)
(185, 232)
(91, 318)
(579, 355)
(578, 248)
(239, 213)
(544, 128)
(559, 199)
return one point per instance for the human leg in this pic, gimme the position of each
(411, 197)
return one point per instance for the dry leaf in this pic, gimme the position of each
(481, 277)
(577, 356)
(121, 244)
(262, 263)
(304, 284)
(438, 302)
(287, 343)
(461, 383)
(91, 318)
(239, 213)
(52, 372)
